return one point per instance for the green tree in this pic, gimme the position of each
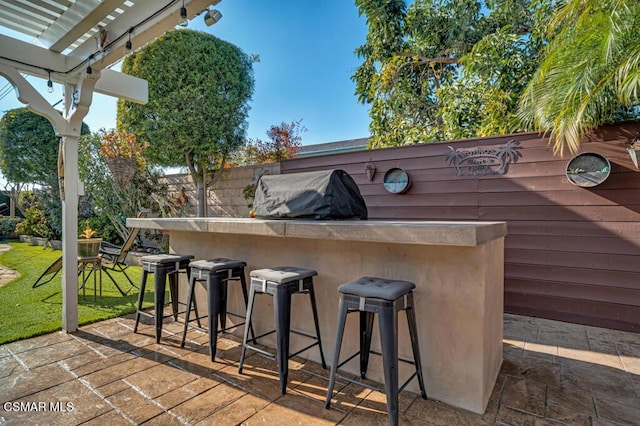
(590, 74)
(446, 69)
(28, 148)
(29, 155)
(145, 191)
(199, 89)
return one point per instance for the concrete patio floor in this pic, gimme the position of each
(553, 373)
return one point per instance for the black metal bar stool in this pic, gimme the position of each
(384, 297)
(216, 273)
(281, 282)
(163, 266)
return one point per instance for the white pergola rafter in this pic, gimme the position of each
(66, 42)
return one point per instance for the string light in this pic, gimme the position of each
(128, 45)
(49, 83)
(183, 22)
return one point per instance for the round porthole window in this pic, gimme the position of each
(588, 169)
(396, 180)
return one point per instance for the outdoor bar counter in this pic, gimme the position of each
(458, 269)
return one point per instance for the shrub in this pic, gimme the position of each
(8, 225)
(36, 224)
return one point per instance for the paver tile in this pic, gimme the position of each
(68, 403)
(134, 405)
(159, 380)
(237, 412)
(524, 395)
(10, 366)
(207, 403)
(111, 418)
(37, 342)
(186, 392)
(52, 353)
(22, 383)
(509, 416)
(616, 412)
(114, 376)
(113, 388)
(598, 379)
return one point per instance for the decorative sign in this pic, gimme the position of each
(482, 161)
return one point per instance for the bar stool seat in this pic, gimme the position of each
(377, 288)
(216, 273)
(385, 297)
(163, 266)
(281, 282)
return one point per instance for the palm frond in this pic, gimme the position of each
(590, 69)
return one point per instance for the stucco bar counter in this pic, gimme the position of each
(458, 269)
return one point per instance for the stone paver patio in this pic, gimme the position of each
(553, 373)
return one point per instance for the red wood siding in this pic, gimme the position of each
(572, 253)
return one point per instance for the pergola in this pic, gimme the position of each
(74, 44)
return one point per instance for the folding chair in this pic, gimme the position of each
(114, 256)
(52, 271)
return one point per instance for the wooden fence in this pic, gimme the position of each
(572, 253)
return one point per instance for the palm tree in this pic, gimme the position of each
(590, 73)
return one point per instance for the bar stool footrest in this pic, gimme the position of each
(272, 356)
(261, 351)
(406, 361)
(149, 314)
(377, 388)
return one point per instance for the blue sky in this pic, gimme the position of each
(306, 51)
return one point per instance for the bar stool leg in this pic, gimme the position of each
(413, 333)
(252, 296)
(222, 304)
(366, 332)
(342, 320)
(195, 302)
(192, 285)
(213, 298)
(243, 282)
(173, 292)
(143, 283)
(159, 281)
(282, 314)
(314, 308)
(388, 321)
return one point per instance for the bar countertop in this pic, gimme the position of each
(469, 234)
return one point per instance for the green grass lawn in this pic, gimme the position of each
(27, 312)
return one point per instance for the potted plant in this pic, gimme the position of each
(123, 155)
(248, 193)
(88, 246)
(634, 150)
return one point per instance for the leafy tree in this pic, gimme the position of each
(28, 148)
(199, 89)
(110, 199)
(446, 69)
(283, 144)
(29, 155)
(590, 74)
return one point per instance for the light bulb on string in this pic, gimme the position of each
(183, 22)
(128, 45)
(49, 83)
